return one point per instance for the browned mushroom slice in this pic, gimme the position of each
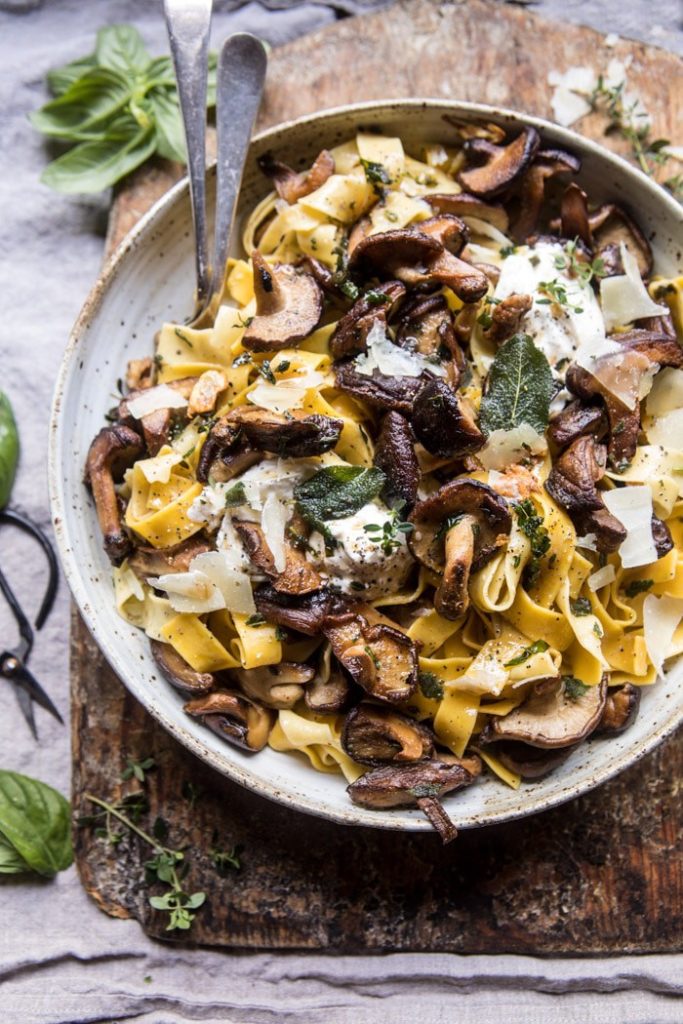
(465, 205)
(298, 575)
(503, 164)
(576, 420)
(656, 344)
(395, 456)
(551, 716)
(507, 316)
(624, 423)
(148, 561)
(415, 258)
(547, 164)
(379, 390)
(112, 451)
(420, 784)
(177, 671)
(375, 735)
(289, 304)
(621, 709)
(572, 484)
(296, 435)
(278, 686)
(157, 425)
(292, 186)
(234, 717)
(531, 762)
(456, 531)
(610, 225)
(574, 220)
(350, 334)
(304, 613)
(383, 660)
(140, 374)
(448, 229)
(329, 690)
(443, 423)
(661, 536)
(421, 325)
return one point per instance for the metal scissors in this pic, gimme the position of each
(13, 660)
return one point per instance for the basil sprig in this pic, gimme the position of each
(9, 449)
(519, 387)
(35, 831)
(117, 107)
(335, 492)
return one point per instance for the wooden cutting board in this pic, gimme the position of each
(603, 874)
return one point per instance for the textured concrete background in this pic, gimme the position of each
(60, 959)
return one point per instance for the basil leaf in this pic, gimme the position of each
(9, 449)
(336, 492)
(120, 47)
(81, 111)
(10, 861)
(35, 821)
(60, 79)
(519, 387)
(100, 163)
(169, 125)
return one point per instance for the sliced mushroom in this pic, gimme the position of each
(378, 389)
(292, 186)
(177, 671)
(531, 762)
(140, 374)
(415, 258)
(278, 686)
(463, 204)
(661, 536)
(376, 735)
(610, 225)
(572, 484)
(457, 530)
(448, 229)
(507, 316)
(574, 220)
(417, 784)
(234, 717)
(504, 164)
(655, 342)
(621, 709)
(157, 425)
(550, 717)
(624, 423)
(576, 420)
(443, 423)
(329, 690)
(305, 613)
(298, 575)
(424, 324)
(382, 659)
(296, 435)
(395, 456)
(148, 561)
(224, 453)
(547, 164)
(352, 330)
(289, 304)
(112, 451)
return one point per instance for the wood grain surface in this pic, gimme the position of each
(603, 874)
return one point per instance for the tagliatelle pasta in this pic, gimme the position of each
(371, 514)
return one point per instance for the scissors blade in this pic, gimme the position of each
(30, 684)
(26, 705)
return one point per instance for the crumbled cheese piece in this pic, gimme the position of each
(160, 397)
(273, 521)
(571, 89)
(601, 577)
(632, 506)
(505, 447)
(391, 360)
(624, 297)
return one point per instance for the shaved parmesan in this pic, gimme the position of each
(569, 100)
(235, 586)
(601, 578)
(391, 360)
(665, 409)
(505, 447)
(624, 298)
(482, 227)
(632, 506)
(273, 521)
(589, 542)
(286, 394)
(159, 397)
(661, 616)
(158, 469)
(189, 591)
(651, 464)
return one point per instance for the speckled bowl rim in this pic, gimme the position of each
(80, 585)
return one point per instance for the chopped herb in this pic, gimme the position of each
(580, 606)
(537, 647)
(189, 452)
(242, 359)
(236, 495)
(183, 337)
(283, 366)
(256, 620)
(573, 687)
(373, 657)
(636, 587)
(508, 250)
(350, 290)
(572, 262)
(531, 525)
(377, 175)
(485, 319)
(431, 685)
(266, 372)
(376, 298)
(138, 769)
(597, 629)
(158, 360)
(280, 634)
(387, 535)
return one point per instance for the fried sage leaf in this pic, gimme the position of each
(335, 492)
(519, 387)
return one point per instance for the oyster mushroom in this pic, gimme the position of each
(621, 709)
(415, 258)
(456, 531)
(442, 422)
(329, 690)
(179, 674)
(624, 422)
(289, 304)
(395, 456)
(112, 451)
(381, 658)
(376, 735)
(305, 613)
(298, 575)
(572, 484)
(234, 717)
(352, 330)
(463, 204)
(292, 186)
(501, 165)
(576, 420)
(547, 164)
(148, 561)
(379, 390)
(420, 784)
(277, 686)
(550, 717)
(425, 325)
(296, 435)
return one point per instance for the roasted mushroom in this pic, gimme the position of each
(157, 425)
(147, 561)
(416, 784)
(552, 716)
(350, 334)
(298, 575)
(177, 671)
(425, 325)
(277, 686)
(378, 389)
(574, 220)
(376, 735)
(547, 164)
(292, 186)
(140, 374)
(296, 435)
(112, 451)
(602, 231)
(395, 456)
(442, 422)
(502, 164)
(576, 420)
(530, 762)
(621, 709)
(456, 531)
(329, 690)
(305, 613)
(462, 204)
(234, 717)
(205, 393)
(381, 658)
(624, 422)
(572, 484)
(289, 304)
(507, 316)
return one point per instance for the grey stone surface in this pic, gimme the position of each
(61, 960)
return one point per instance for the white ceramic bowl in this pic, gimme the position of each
(149, 280)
